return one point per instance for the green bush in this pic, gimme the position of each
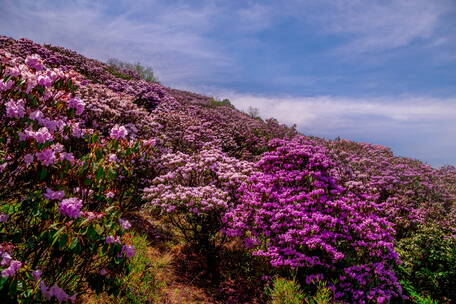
(429, 262)
(323, 294)
(220, 103)
(126, 70)
(118, 73)
(415, 296)
(285, 291)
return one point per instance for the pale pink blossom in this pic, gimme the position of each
(118, 132)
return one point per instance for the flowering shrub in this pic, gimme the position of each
(55, 237)
(404, 189)
(293, 212)
(194, 194)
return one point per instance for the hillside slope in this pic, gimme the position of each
(87, 151)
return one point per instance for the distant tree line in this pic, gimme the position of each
(132, 69)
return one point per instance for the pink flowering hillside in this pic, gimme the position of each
(118, 189)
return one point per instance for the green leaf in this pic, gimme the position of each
(13, 287)
(87, 181)
(2, 282)
(74, 243)
(43, 174)
(63, 241)
(100, 173)
(91, 233)
(55, 237)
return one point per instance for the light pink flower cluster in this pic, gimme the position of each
(41, 136)
(92, 215)
(44, 80)
(125, 224)
(203, 183)
(118, 132)
(15, 109)
(113, 158)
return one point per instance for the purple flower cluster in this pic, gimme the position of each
(57, 292)
(54, 195)
(3, 218)
(15, 109)
(71, 207)
(77, 104)
(128, 251)
(112, 239)
(12, 268)
(35, 62)
(118, 132)
(294, 213)
(44, 122)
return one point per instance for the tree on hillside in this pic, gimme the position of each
(141, 71)
(254, 112)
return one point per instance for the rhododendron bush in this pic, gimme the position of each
(194, 193)
(293, 213)
(66, 230)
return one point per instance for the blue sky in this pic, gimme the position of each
(375, 71)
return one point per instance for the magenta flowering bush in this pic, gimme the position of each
(293, 212)
(405, 189)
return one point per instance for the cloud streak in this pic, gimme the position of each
(419, 127)
(378, 25)
(172, 41)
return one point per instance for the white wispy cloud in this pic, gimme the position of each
(414, 126)
(171, 39)
(307, 111)
(379, 25)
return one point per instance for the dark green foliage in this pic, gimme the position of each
(220, 103)
(415, 297)
(118, 74)
(128, 71)
(429, 262)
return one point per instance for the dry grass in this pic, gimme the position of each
(154, 278)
